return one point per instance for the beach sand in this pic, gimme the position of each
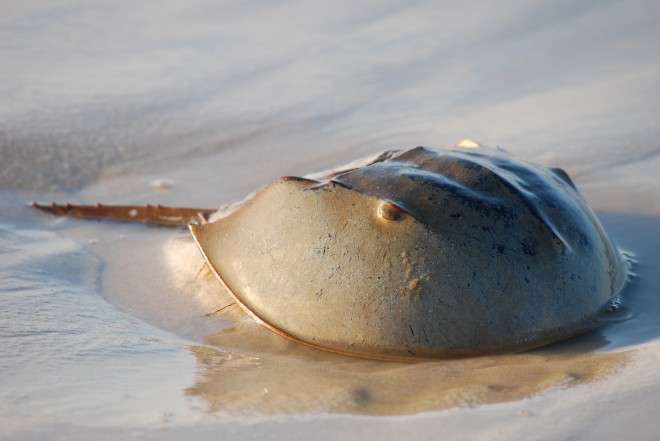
(108, 331)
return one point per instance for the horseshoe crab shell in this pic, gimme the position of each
(419, 254)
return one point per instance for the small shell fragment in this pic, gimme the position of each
(468, 144)
(162, 184)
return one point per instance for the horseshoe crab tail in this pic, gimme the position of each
(160, 215)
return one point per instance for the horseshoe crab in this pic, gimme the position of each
(418, 253)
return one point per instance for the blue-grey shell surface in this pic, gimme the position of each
(422, 253)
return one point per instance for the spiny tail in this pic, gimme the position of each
(146, 214)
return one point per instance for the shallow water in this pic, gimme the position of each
(67, 355)
(98, 338)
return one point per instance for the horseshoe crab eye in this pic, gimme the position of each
(390, 212)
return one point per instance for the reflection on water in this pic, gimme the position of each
(247, 369)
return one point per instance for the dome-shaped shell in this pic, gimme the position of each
(422, 254)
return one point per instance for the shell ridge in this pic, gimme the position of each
(517, 187)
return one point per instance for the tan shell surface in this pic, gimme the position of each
(421, 256)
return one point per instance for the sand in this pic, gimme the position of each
(202, 104)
